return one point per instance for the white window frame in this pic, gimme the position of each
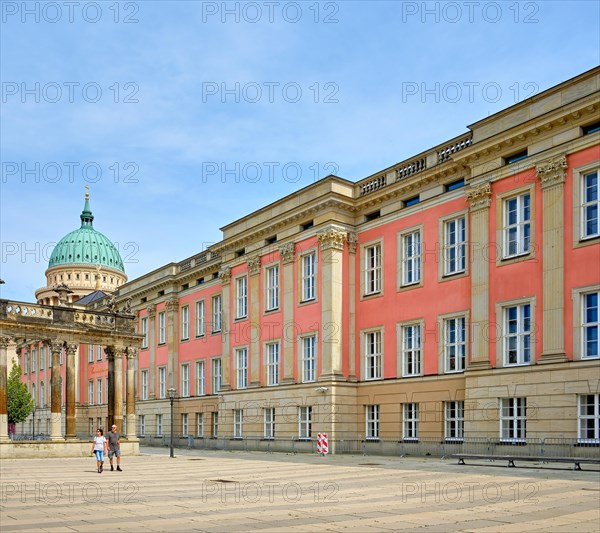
(520, 226)
(454, 342)
(144, 384)
(216, 313)
(184, 425)
(412, 349)
(513, 420)
(241, 366)
(305, 413)
(185, 380)
(142, 425)
(373, 268)
(272, 287)
(308, 276)
(159, 425)
(200, 375)
(308, 358)
(411, 256)
(90, 353)
(162, 327)
(43, 394)
(241, 297)
(455, 245)
(410, 421)
(42, 357)
(269, 423)
(238, 423)
(522, 335)
(98, 391)
(372, 422)
(215, 424)
(588, 422)
(273, 356)
(200, 318)
(184, 315)
(98, 353)
(200, 425)
(588, 325)
(162, 382)
(373, 354)
(144, 331)
(586, 204)
(454, 421)
(91, 392)
(217, 375)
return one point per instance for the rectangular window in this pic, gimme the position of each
(216, 313)
(411, 350)
(98, 391)
(273, 288)
(200, 425)
(26, 363)
(241, 297)
(98, 353)
(142, 425)
(162, 382)
(238, 423)
(43, 395)
(42, 357)
(309, 358)
(185, 322)
(454, 421)
(159, 425)
(590, 205)
(513, 418)
(90, 353)
(455, 344)
(91, 392)
(305, 422)
(144, 331)
(215, 424)
(517, 226)
(162, 327)
(589, 418)
(184, 425)
(241, 363)
(410, 421)
(200, 378)
(273, 363)
(185, 380)
(269, 423)
(308, 276)
(144, 384)
(373, 355)
(200, 317)
(33, 360)
(517, 335)
(372, 422)
(455, 246)
(90, 424)
(590, 324)
(373, 269)
(411, 258)
(216, 375)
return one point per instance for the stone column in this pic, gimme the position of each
(55, 407)
(479, 199)
(287, 254)
(254, 340)
(71, 350)
(352, 246)
(552, 174)
(131, 355)
(152, 348)
(173, 342)
(118, 387)
(225, 277)
(4, 342)
(110, 384)
(332, 241)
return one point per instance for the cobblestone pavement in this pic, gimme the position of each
(246, 491)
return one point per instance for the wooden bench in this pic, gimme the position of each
(512, 458)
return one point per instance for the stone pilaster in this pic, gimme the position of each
(225, 277)
(254, 340)
(55, 407)
(287, 253)
(479, 199)
(552, 174)
(173, 343)
(152, 349)
(332, 241)
(4, 342)
(131, 356)
(118, 388)
(110, 383)
(71, 385)
(352, 246)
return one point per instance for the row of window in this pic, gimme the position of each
(512, 420)
(31, 360)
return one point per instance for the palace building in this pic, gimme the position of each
(452, 297)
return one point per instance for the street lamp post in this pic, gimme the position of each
(171, 392)
(33, 423)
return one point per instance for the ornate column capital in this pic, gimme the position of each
(5, 340)
(479, 197)
(287, 252)
(120, 351)
(332, 238)
(352, 241)
(552, 171)
(151, 309)
(254, 265)
(225, 275)
(172, 305)
(55, 345)
(71, 348)
(110, 352)
(131, 352)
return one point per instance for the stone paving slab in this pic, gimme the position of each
(216, 491)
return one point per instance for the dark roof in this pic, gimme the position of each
(91, 298)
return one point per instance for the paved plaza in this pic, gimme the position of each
(246, 491)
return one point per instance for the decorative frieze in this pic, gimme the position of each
(287, 251)
(352, 242)
(151, 310)
(479, 197)
(254, 265)
(225, 275)
(552, 171)
(172, 305)
(332, 238)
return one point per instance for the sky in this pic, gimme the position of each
(183, 116)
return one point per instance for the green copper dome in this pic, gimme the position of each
(86, 246)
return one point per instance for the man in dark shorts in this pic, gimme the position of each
(114, 447)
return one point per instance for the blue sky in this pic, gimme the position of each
(198, 113)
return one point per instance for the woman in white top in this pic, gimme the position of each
(99, 448)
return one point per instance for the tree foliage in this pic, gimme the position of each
(20, 401)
